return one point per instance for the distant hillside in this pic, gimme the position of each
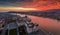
(54, 13)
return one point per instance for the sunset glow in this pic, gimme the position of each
(30, 5)
(16, 9)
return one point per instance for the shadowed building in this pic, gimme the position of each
(21, 25)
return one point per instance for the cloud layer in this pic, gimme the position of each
(39, 4)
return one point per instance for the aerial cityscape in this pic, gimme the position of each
(29, 17)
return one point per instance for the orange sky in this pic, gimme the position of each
(46, 5)
(35, 5)
(52, 6)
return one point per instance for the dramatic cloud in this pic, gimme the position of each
(38, 4)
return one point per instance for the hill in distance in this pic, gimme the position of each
(53, 13)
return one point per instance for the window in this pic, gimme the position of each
(13, 32)
(6, 32)
(0, 31)
(2, 25)
(31, 25)
(22, 30)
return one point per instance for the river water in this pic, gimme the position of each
(50, 25)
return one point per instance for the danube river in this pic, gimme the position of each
(50, 25)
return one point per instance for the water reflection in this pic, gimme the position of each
(47, 24)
